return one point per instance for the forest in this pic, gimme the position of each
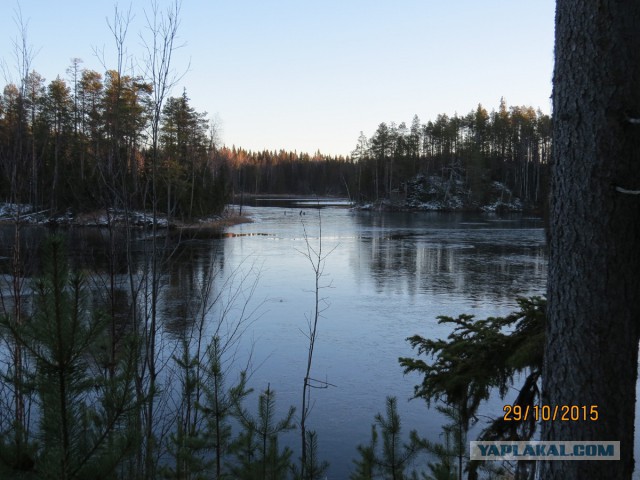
(94, 142)
(511, 146)
(85, 361)
(86, 364)
(86, 144)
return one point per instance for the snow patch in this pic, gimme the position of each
(25, 214)
(10, 210)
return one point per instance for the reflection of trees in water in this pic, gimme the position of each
(415, 264)
(90, 250)
(192, 265)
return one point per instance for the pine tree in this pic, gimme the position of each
(396, 456)
(366, 464)
(591, 350)
(82, 413)
(453, 447)
(258, 455)
(219, 404)
(314, 468)
(186, 445)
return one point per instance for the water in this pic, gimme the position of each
(387, 276)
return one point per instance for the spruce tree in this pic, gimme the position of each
(478, 356)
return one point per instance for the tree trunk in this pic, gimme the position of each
(591, 355)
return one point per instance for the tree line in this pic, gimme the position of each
(282, 171)
(86, 143)
(511, 145)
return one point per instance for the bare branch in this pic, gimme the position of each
(23, 52)
(627, 191)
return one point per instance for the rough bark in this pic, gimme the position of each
(591, 355)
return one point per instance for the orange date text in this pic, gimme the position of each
(546, 413)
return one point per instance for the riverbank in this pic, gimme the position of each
(498, 206)
(437, 194)
(25, 214)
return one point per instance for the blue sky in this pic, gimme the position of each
(304, 75)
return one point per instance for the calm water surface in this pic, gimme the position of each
(387, 276)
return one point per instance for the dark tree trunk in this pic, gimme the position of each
(591, 355)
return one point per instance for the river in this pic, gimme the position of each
(386, 276)
(390, 276)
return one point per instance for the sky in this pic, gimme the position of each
(311, 75)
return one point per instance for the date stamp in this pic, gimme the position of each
(547, 413)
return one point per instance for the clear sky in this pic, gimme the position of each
(307, 75)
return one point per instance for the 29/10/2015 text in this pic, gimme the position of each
(563, 413)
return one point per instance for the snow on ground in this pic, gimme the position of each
(11, 211)
(436, 193)
(119, 217)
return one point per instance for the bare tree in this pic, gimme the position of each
(317, 258)
(223, 308)
(13, 307)
(160, 44)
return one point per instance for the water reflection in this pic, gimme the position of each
(414, 254)
(391, 275)
(193, 267)
(114, 274)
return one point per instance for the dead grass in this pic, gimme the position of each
(216, 224)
